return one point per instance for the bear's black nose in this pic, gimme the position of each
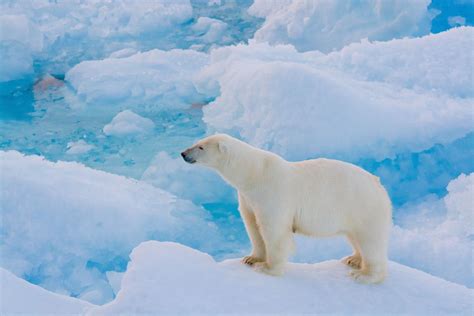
(186, 157)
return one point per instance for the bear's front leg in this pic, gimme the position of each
(278, 245)
(258, 246)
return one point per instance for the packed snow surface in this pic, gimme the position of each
(20, 297)
(153, 285)
(168, 278)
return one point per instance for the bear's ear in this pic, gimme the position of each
(222, 146)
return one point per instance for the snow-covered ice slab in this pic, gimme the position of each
(347, 104)
(156, 76)
(20, 297)
(64, 226)
(168, 278)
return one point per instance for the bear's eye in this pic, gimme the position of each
(200, 147)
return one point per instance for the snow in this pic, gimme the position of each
(432, 63)
(168, 278)
(128, 123)
(272, 95)
(20, 297)
(329, 25)
(65, 225)
(161, 78)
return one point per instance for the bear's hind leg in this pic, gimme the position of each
(373, 268)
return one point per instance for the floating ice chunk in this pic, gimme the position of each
(16, 62)
(18, 28)
(128, 123)
(202, 286)
(190, 182)
(436, 62)
(19, 40)
(457, 20)
(20, 297)
(294, 104)
(160, 77)
(65, 225)
(212, 30)
(79, 147)
(329, 25)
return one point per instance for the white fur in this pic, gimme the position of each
(319, 197)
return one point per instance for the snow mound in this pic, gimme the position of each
(64, 226)
(271, 96)
(128, 123)
(160, 78)
(329, 25)
(435, 63)
(20, 297)
(154, 285)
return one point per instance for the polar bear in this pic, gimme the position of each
(319, 198)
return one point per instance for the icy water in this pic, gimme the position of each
(56, 118)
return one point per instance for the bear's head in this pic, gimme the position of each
(239, 163)
(211, 151)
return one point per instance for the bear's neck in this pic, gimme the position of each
(247, 170)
